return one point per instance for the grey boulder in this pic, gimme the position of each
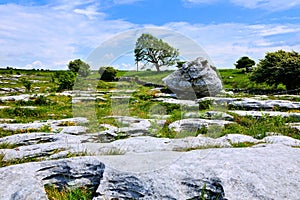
(196, 77)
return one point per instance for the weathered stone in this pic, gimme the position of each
(219, 115)
(73, 130)
(165, 95)
(29, 138)
(5, 120)
(227, 173)
(3, 107)
(259, 114)
(18, 127)
(133, 126)
(283, 140)
(67, 172)
(196, 77)
(294, 125)
(82, 99)
(250, 103)
(181, 102)
(238, 138)
(194, 124)
(63, 122)
(23, 97)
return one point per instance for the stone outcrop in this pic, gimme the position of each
(196, 77)
(253, 104)
(264, 172)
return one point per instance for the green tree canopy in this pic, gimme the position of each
(107, 73)
(149, 49)
(279, 67)
(80, 67)
(245, 63)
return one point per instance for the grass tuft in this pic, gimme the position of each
(81, 193)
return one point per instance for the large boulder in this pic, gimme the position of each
(196, 77)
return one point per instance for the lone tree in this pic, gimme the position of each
(279, 67)
(149, 49)
(245, 63)
(80, 67)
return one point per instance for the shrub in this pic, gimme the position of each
(65, 80)
(279, 67)
(41, 100)
(27, 84)
(104, 85)
(107, 73)
(22, 112)
(80, 67)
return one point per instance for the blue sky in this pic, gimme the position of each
(50, 33)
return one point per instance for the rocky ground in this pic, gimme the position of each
(130, 161)
(142, 166)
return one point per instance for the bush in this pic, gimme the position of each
(27, 84)
(22, 112)
(65, 80)
(107, 73)
(41, 100)
(279, 67)
(104, 85)
(80, 67)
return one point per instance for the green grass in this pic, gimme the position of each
(242, 144)
(235, 78)
(4, 163)
(113, 152)
(82, 193)
(16, 161)
(148, 76)
(51, 107)
(258, 128)
(7, 145)
(199, 147)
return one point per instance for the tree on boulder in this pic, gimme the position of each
(245, 63)
(80, 67)
(279, 67)
(149, 49)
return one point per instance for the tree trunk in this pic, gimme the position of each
(157, 67)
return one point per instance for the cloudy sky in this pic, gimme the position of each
(50, 33)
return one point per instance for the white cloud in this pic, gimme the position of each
(52, 35)
(269, 30)
(198, 2)
(271, 5)
(225, 43)
(126, 1)
(90, 11)
(35, 65)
